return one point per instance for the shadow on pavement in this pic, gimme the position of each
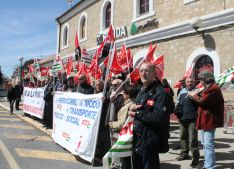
(169, 166)
(224, 156)
(221, 145)
(225, 140)
(226, 166)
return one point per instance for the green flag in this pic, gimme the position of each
(134, 29)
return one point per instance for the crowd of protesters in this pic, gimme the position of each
(150, 102)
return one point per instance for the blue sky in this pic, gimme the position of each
(28, 29)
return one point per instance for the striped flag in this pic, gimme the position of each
(123, 146)
(225, 79)
(56, 68)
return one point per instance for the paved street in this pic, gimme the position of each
(27, 147)
(24, 147)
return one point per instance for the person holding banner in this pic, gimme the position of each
(103, 143)
(116, 102)
(83, 86)
(151, 121)
(48, 97)
(129, 93)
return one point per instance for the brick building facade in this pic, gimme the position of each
(187, 31)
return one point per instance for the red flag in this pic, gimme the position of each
(125, 58)
(44, 71)
(189, 72)
(135, 76)
(178, 84)
(150, 54)
(22, 74)
(130, 58)
(31, 70)
(115, 67)
(69, 67)
(77, 45)
(110, 38)
(159, 65)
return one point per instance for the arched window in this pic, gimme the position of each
(144, 6)
(83, 28)
(65, 36)
(108, 15)
(204, 62)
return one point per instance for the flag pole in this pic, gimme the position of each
(110, 60)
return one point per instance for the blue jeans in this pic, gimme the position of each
(207, 140)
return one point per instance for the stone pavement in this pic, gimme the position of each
(224, 144)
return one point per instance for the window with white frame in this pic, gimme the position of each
(106, 14)
(65, 36)
(82, 27)
(142, 9)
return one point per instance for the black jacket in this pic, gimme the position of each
(85, 88)
(18, 90)
(186, 109)
(48, 97)
(11, 95)
(151, 123)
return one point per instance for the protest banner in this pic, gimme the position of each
(34, 103)
(123, 146)
(76, 121)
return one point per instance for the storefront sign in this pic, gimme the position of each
(120, 32)
(149, 25)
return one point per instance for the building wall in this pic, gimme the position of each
(167, 12)
(178, 50)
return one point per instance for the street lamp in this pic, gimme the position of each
(20, 73)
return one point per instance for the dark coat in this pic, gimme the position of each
(11, 95)
(85, 88)
(186, 109)
(211, 108)
(151, 123)
(18, 91)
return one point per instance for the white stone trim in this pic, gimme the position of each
(189, 1)
(205, 51)
(136, 16)
(140, 54)
(83, 15)
(102, 15)
(63, 28)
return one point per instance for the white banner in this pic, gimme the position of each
(76, 122)
(34, 103)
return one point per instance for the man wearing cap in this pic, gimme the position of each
(210, 114)
(71, 84)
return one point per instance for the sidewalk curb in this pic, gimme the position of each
(30, 121)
